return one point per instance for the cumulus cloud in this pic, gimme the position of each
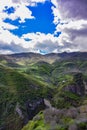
(28, 1)
(44, 42)
(11, 48)
(7, 26)
(35, 42)
(21, 11)
(71, 19)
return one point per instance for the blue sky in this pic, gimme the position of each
(42, 26)
(42, 22)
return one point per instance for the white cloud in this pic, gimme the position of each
(56, 12)
(72, 23)
(3, 51)
(56, 15)
(39, 37)
(7, 26)
(41, 41)
(21, 12)
(28, 1)
(38, 42)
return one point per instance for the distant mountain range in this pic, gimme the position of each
(61, 55)
(50, 58)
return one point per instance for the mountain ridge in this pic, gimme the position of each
(35, 57)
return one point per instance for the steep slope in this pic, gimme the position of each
(70, 111)
(17, 88)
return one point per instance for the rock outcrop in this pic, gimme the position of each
(19, 112)
(34, 107)
(60, 119)
(72, 119)
(78, 86)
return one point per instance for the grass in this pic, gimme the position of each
(37, 124)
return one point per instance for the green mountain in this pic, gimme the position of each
(28, 79)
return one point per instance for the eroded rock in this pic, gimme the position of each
(34, 107)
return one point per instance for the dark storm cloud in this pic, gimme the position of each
(73, 33)
(73, 15)
(76, 9)
(11, 47)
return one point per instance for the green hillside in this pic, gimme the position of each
(16, 87)
(62, 80)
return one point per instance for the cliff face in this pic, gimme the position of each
(78, 86)
(34, 107)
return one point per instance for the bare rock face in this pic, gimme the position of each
(78, 87)
(34, 107)
(47, 103)
(73, 127)
(72, 113)
(18, 110)
(78, 78)
(74, 118)
(52, 114)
